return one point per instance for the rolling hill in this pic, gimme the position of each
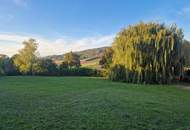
(89, 58)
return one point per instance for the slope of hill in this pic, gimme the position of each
(91, 53)
(92, 63)
(89, 58)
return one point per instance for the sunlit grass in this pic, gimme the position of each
(73, 103)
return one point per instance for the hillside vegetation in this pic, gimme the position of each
(84, 55)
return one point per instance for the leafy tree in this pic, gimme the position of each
(186, 52)
(6, 66)
(45, 67)
(106, 58)
(26, 58)
(64, 65)
(2, 58)
(38, 68)
(118, 73)
(150, 52)
(72, 60)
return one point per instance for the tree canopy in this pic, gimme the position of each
(106, 58)
(150, 52)
(71, 59)
(142, 53)
(6, 66)
(27, 56)
(186, 52)
(44, 67)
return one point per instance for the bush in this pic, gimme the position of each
(7, 67)
(45, 67)
(79, 72)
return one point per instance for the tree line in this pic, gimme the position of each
(142, 53)
(147, 53)
(28, 62)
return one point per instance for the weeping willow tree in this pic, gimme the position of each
(150, 53)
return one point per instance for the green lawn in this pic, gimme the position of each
(81, 103)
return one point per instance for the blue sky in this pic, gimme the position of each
(65, 25)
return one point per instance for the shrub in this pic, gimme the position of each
(79, 72)
(45, 67)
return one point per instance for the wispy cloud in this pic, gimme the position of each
(11, 43)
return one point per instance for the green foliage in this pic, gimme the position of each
(1, 67)
(151, 53)
(106, 59)
(71, 67)
(118, 73)
(81, 71)
(3, 59)
(7, 67)
(26, 58)
(45, 67)
(72, 59)
(64, 65)
(186, 52)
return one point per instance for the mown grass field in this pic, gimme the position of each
(82, 103)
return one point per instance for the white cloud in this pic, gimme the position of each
(11, 43)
